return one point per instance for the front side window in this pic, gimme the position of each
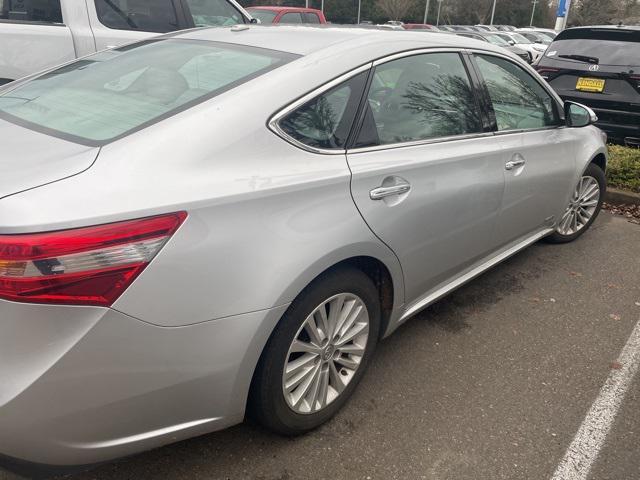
(144, 15)
(116, 92)
(417, 98)
(213, 13)
(518, 100)
(47, 11)
(325, 121)
(291, 18)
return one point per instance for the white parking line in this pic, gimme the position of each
(590, 438)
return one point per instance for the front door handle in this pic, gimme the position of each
(510, 165)
(382, 192)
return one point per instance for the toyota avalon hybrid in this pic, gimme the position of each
(227, 221)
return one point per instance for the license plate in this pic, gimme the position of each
(590, 84)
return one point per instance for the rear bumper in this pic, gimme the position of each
(81, 385)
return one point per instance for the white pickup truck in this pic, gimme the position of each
(38, 34)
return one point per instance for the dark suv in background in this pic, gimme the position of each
(599, 67)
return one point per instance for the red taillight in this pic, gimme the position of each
(84, 266)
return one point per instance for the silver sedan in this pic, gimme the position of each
(229, 220)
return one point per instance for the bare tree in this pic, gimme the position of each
(395, 9)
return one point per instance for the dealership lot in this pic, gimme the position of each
(492, 382)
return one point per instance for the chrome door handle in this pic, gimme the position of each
(382, 192)
(514, 164)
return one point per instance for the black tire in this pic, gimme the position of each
(267, 404)
(596, 172)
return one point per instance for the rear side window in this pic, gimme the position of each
(265, 16)
(417, 98)
(291, 18)
(601, 46)
(518, 100)
(144, 15)
(311, 18)
(47, 11)
(325, 121)
(213, 13)
(115, 92)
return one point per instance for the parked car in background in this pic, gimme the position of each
(291, 15)
(505, 28)
(513, 38)
(418, 26)
(535, 37)
(214, 221)
(548, 32)
(487, 28)
(39, 34)
(600, 67)
(498, 40)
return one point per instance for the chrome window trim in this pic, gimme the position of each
(274, 122)
(417, 143)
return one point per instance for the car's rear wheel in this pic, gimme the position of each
(317, 354)
(584, 206)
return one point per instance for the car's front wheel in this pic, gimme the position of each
(584, 206)
(317, 353)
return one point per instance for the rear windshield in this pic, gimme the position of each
(607, 47)
(113, 93)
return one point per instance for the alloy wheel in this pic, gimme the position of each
(325, 353)
(581, 208)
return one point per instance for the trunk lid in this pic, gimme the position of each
(29, 159)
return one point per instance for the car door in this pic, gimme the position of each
(537, 152)
(426, 176)
(32, 39)
(117, 22)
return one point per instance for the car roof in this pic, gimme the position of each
(607, 27)
(310, 39)
(283, 9)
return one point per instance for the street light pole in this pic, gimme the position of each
(322, 6)
(493, 12)
(533, 11)
(438, 19)
(426, 11)
(359, 2)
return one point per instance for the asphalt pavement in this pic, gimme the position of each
(492, 382)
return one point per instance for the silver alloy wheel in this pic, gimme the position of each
(325, 353)
(582, 206)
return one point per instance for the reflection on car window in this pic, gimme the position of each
(144, 15)
(519, 101)
(213, 13)
(325, 121)
(417, 98)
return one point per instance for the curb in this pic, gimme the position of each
(614, 195)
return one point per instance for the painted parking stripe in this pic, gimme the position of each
(590, 438)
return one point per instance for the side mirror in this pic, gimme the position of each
(512, 43)
(578, 115)
(538, 41)
(254, 20)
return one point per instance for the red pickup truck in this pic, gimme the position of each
(287, 15)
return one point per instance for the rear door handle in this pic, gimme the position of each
(510, 165)
(382, 192)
